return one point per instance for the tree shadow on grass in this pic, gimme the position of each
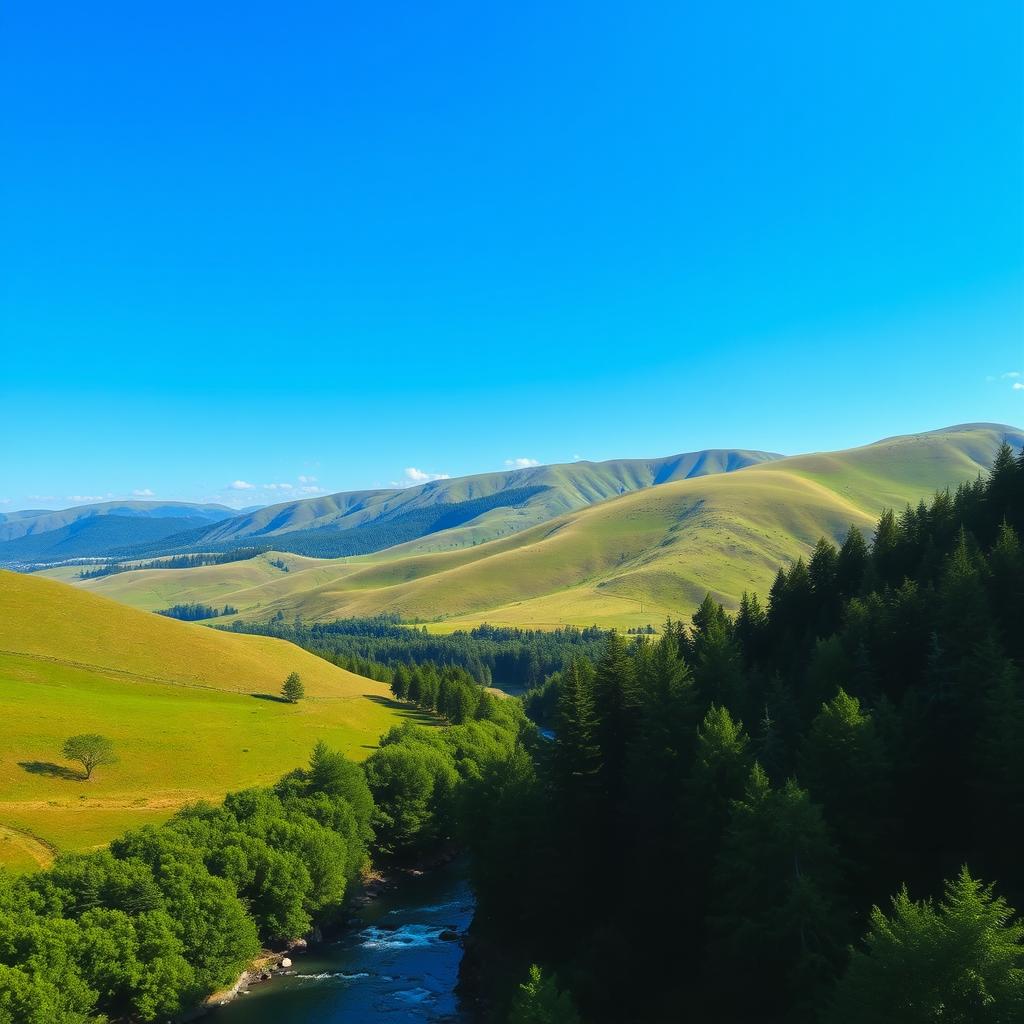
(54, 771)
(405, 710)
(273, 697)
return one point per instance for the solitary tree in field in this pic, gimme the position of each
(90, 750)
(293, 690)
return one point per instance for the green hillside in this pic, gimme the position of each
(441, 514)
(623, 562)
(186, 706)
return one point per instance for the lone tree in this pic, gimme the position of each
(90, 750)
(293, 690)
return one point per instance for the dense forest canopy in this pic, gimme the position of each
(722, 807)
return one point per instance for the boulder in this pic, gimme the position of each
(286, 961)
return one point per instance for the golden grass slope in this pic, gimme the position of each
(187, 707)
(627, 561)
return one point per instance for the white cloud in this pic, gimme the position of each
(1017, 386)
(278, 487)
(521, 463)
(143, 492)
(313, 489)
(85, 499)
(307, 479)
(5, 501)
(577, 458)
(1009, 375)
(241, 485)
(41, 497)
(418, 476)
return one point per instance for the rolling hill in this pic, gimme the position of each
(464, 511)
(192, 711)
(627, 561)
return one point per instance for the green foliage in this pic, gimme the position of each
(90, 750)
(193, 612)
(540, 1001)
(412, 784)
(292, 688)
(168, 914)
(775, 917)
(960, 962)
(887, 687)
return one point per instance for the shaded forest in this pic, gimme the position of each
(722, 808)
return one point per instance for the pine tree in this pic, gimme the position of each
(576, 751)
(721, 768)
(775, 922)
(823, 571)
(616, 712)
(1003, 485)
(751, 626)
(292, 689)
(843, 763)
(539, 1001)
(962, 962)
(852, 563)
(885, 551)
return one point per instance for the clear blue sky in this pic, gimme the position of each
(256, 242)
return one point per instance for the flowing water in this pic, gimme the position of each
(391, 966)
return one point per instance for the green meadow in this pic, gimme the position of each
(193, 714)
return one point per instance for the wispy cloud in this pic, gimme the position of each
(41, 497)
(1018, 386)
(307, 479)
(143, 492)
(521, 463)
(278, 487)
(85, 499)
(5, 501)
(241, 485)
(312, 489)
(419, 476)
(1011, 374)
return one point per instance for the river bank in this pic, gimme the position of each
(395, 956)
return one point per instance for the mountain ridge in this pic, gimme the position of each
(627, 561)
(556, 489)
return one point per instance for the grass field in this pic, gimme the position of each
(193, 713)
(624, 562)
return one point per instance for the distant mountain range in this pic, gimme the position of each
(639, 556)
(461, 512)
(44, 535)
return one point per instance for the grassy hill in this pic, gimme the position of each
(444, 514)
(627, 561)
(192, 712)
(554, 490)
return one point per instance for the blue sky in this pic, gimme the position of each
(266, 243)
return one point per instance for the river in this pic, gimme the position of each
(391, 966)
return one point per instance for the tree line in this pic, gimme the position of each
(194, 611)
(784, 815)
(174, 562)
(511, 659)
